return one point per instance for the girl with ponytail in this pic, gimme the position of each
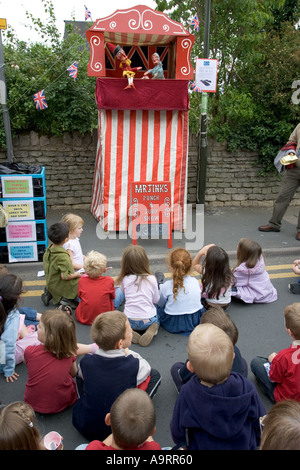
(180, 308)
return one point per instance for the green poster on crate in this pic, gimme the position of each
(17, 186)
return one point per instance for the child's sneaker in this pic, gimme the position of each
(135, 337)
(46, 297)
(147, 337)
(70, 302)
(294, 288)
(65, 308)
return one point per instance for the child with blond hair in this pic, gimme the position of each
(103, 376)
(73, 246)
(217, 316)
(96, 291)
(216, 409)
(179, 307)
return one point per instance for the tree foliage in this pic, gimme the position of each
(257, 44)
(29, 68)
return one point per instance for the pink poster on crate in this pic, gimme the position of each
(20, 231)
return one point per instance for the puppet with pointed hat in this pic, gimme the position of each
(125, 63)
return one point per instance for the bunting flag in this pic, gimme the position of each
(88, 14)
(194, 87)
(40, 100)
(73, 70)
(195, 22)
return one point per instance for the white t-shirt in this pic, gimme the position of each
(73, 244)
(140, 299)
(188, 300)
(224, 297)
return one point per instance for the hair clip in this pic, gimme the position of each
(31, 424)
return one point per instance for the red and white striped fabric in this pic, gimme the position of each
(138, 145)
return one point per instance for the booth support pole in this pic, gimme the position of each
(6, 119)
(202, 154)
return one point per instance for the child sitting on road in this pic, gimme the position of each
(281, 427)
(141, 294)
(18, 428)
(216, 275)
(215, 315)
(295, 286)
(30, 317)
(180, 308)
(29, 337)
(279, 374)
(96, 292)
(216, 409)
(252, 282)
(132, 419)
(61, 280)
(73, 247)
(11, 287)
(51, 365)
(103, 376)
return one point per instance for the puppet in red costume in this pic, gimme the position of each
(125, 63)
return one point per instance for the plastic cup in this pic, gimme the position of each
(53, 441)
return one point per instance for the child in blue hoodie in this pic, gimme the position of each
(216, 409)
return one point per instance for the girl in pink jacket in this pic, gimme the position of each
(253, 283)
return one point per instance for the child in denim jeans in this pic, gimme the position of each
(141, 294)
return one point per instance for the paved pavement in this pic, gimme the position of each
(223, 226)
(260, 327)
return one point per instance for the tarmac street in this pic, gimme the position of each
(261, 329)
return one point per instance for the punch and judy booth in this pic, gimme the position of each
(142, 131)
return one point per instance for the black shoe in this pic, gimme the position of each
(46, 297)
(294, 288)
(72, 303)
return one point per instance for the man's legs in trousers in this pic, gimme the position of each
(289, 185)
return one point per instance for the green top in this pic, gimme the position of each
(57, 262)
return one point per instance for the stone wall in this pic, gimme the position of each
(232, 178)
(69, 161)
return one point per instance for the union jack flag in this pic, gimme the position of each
(88, 14)
(40, 100)
(194, 87)
(195, 22)
(73, 70)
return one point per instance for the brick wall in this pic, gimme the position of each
(232, 178)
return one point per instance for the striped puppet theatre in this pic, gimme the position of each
(143, 129)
